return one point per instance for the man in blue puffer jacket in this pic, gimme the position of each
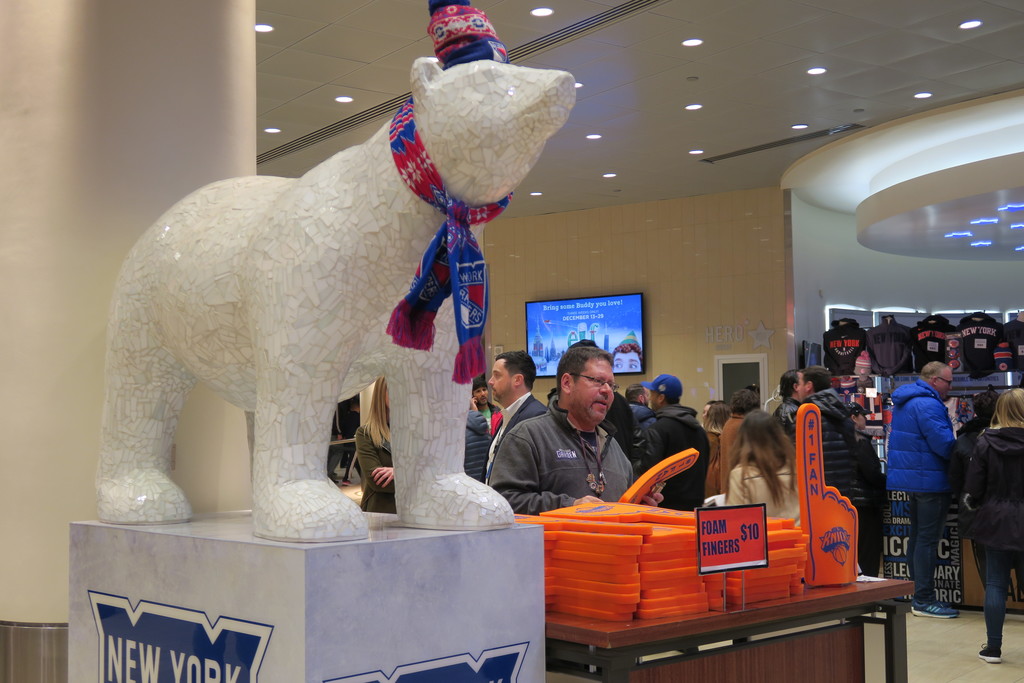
(919, 448)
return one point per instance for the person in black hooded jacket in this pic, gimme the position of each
(838, 441)
(960, 458)
(675, 429)
(995, 488)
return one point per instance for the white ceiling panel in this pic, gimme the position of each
(897, 14)
(695, 10)
(757, 19)
(945, 61)
(284, 88)
(307, 66)
(757, 56)
(993, 78)
(327, 11)
(871, 83)
(394, 17)
(828, 32)
(375, 78)
(288, 30)
(946, 26)
(643, 29)
(339, 40)
(887, 47)
(1007, 43)
(574, 55)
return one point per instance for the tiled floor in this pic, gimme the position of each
(944, 650)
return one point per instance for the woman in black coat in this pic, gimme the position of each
(960, 458)
(995, 488)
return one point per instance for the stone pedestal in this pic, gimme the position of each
(207, 601)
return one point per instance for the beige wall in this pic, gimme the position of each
(703, 263)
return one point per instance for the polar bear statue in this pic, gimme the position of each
(276, 293)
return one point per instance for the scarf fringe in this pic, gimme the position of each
(469, 362)
(412, 328)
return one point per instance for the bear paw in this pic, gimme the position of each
(307, 510)
(144, 496)
(453, 502)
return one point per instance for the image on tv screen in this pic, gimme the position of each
(614, 323)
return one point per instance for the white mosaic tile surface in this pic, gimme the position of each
(276, 293)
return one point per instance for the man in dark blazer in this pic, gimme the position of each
(511, 382)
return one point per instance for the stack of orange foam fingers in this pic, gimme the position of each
(783, 577)
(618, 562)
(591, 569)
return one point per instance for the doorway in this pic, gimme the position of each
(736, 372)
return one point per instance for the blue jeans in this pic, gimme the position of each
(997, 583)
(927, 519)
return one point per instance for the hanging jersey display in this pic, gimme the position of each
(928, 339)
(1013, 333)
(889, 348)
(842, 344)
(979, 334)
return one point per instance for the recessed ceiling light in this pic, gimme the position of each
(536, 194)
(696, 151)
(922, 95)
(817, 70)
(1011, 207)
(693, 42)
(1020, 248)
(693, 107)
(271, 130)
(973, 23)
(981, 243)
(1016, 226)
(594, 136)
(798, 126)
(264, 28)
(984, 221)
(542, 12)
(608, 175)
(578, 85)
(962, 233)
(343, 99)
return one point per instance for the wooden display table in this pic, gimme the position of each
(829, 646)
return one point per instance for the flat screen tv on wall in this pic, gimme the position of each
(614, 323)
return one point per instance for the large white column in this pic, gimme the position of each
(110, 110)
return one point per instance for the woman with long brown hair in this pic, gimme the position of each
(715, 415)
(373, 450)
(765, 470)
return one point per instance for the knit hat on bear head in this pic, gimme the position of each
(462, 34)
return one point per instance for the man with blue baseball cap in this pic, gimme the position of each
(675, 429)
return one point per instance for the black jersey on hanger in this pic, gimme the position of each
(928, 339)
(1013, 333)
(979, 334)
(889, 348)
(842, 344)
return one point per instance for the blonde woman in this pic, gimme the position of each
(995, 487)
(715, 415)
(765, 467)
(373, 450)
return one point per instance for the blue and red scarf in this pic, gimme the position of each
(452, 262)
